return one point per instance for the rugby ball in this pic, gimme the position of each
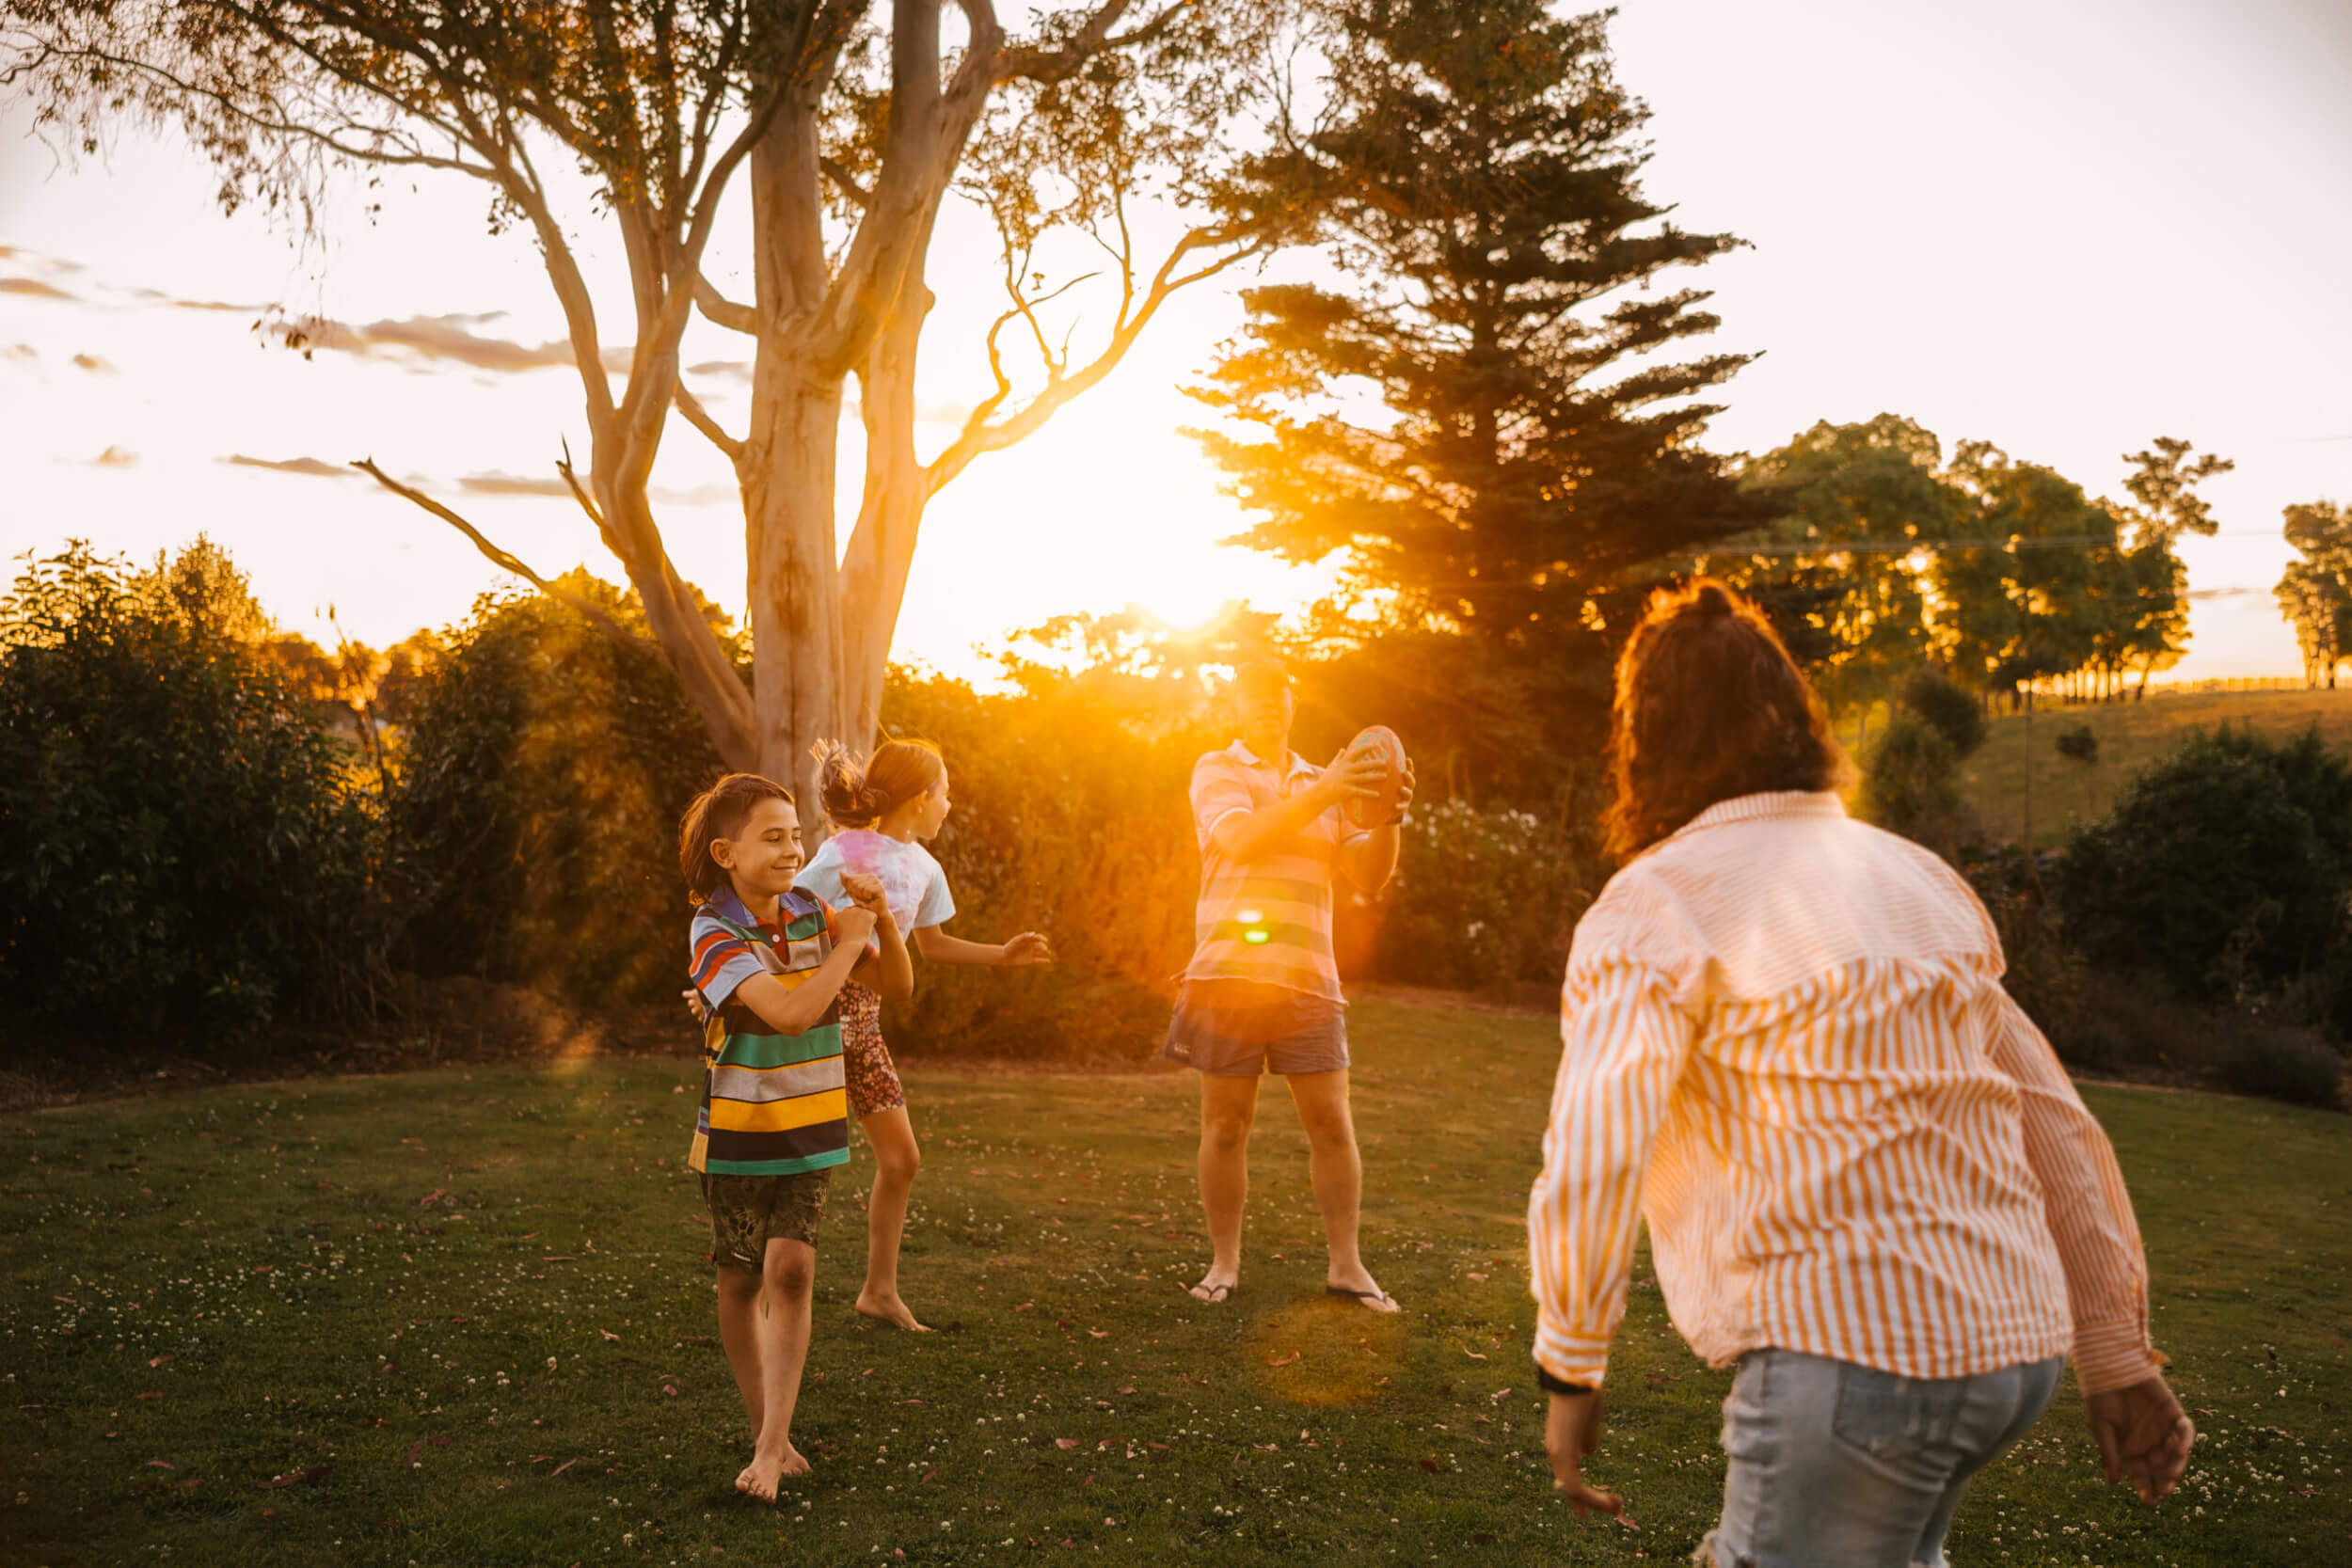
(1376, 810)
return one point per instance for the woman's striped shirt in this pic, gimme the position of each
(1785, 1045)
(772, 1104)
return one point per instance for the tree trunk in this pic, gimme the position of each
(890, 515)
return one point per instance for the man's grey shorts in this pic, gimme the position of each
(1241, 1028)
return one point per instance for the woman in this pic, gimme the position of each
(1867, 1181)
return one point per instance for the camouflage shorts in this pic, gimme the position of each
(748, 1212)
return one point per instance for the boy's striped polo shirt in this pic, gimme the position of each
(1266, 919)
(772, 1104)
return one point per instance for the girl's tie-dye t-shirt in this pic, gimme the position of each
(914, 883)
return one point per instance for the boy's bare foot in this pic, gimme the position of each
(890, 1309)
(760, 1476)
(1214, 1286)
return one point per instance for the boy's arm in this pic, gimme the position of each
(795, 1010)
(889, 973)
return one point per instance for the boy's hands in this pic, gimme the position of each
(694, 1000)
(1029, 950)
(2143, 1435)
(853, 925)
(1571, 1433)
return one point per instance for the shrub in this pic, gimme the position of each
(544, 767)
(183, 846)
(1952, 712)
(2282, 1063)
(2210, 872)
(1484, 898)
(2079, 744)
(1910, 785)
(2043, 975)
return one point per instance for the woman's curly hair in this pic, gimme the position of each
(1709, 706)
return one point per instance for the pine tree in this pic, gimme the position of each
(1475, 171)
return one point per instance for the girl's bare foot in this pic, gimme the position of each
(890, 1309)
(760, 1476)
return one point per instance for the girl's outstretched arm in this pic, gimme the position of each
(1028, 950)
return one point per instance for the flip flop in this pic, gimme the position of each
(1217, 1294)
(1366, 1297)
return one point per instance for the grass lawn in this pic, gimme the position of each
(463, 1318)
(2131, 736)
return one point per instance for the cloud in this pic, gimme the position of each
(736, 370)
(35, 287)
(227, 307)
(20, 351)
(512, 484)
(309, 466)
(114, 457)
(2238, 593)
(96, 364)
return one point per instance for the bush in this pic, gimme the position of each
(544, 767)
(1910, 785)
(182, 845)
(2211, 874)
(2043, 975)
(1952, 712)
(1484, 898)
(2079, 744)
(2281, 1062)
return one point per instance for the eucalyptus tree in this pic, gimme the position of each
(851, 123)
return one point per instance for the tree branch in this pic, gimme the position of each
(838, 172)
(700, 417)
(510, 563)
(721, 312)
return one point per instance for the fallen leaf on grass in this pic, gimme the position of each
(1283, 1360)
(1475, 1355)
(1162, 1447)
(1129, 1389)
(292, 1477)
(1106, 1443)
(1499, 1396)
(929, 1474)
(1429, 1465)
(153, 1396)
(670, 1389)
(420, 1446)
(1482, 1538)
(1196, 1381)
(702, 1339)
(429, 1199)
(560, 1468)
(610, 1336)
(1482, 1280)
(161, 1465)
(1065, 1442)
(155, 1361)
(1660, 1380)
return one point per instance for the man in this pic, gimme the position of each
(1262, 992)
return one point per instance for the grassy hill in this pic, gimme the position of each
(463, 1317)
(2131, 736)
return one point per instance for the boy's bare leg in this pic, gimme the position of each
(738, 1331)
(1338, 1172)
(897, 1157)
(1228, 1107)
(787, 1281)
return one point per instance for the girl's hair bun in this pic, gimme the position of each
(1712, 603)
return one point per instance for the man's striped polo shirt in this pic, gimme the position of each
(1268, 919)
(772, 1104)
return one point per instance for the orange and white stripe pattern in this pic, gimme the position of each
(1786, 1044)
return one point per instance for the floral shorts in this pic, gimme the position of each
(864, 1059)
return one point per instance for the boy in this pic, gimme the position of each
(770, 962)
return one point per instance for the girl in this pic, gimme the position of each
(880, 812)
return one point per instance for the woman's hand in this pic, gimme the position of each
(1571, 1433)
(2143, 1435)
(1029, 950)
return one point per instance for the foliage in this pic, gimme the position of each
(1952, 713)
(2222, 871)
(1910, 784)
(2079, 744)
(1474, 175)
(2316, 594)
(1485, 898)
(544, 770)
(181, 847)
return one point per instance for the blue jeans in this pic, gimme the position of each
(1834, 1465)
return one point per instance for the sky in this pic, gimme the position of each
(2067, 227)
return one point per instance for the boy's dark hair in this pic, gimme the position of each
(719, 812)
(899, 771)
(1709, 707)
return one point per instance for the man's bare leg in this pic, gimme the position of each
(897, 1157)
(1228, 1107)
(1339, 1177)
(738, 1331)
(788, 1280)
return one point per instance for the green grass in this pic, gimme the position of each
(2131, 736)
(468, 1309)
